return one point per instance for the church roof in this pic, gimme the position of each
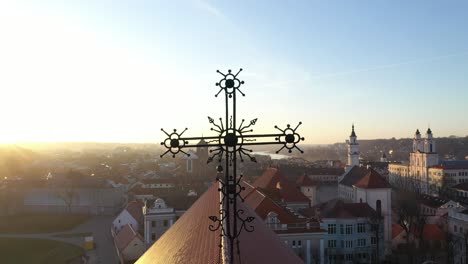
(429, 131)
(201, 142)
(190, 241)
(363, 177)
(277, 187)
(417, 132)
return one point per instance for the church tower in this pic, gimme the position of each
(418, 144)
(353, 150)
(424, 156)
(202, 153)
(429, 143)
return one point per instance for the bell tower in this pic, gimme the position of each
(353, 150)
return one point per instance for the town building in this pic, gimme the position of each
(425, 173)
(129, 244)
(274, 184)
(308, 188)
(131, 215)
(302, 235)
(191, 241)
(458, 229)
(158, 218)
(354, 231)
(361, 184)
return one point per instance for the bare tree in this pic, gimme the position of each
(67, 195)
(411, 219)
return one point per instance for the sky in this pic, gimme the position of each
(119, 71)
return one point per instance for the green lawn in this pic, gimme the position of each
(39, 223)
(36, 251)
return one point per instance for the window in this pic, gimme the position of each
(373, 241)
(349, 257)
(361, 242)
(299, 243)
(331, 228)
(361, 228)
(349, 244)
(294, 243)
(342, 243)
(165, 223)
(341, 229)
(153, 236)
(153, 223)
(332, 243)
(349, 229)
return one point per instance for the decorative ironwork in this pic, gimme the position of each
(231, 143)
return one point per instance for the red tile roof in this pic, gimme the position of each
(262, 205)
(190, 241)
(135, 209)
(363, 177)
(396, 230)
(430, 232)
(304, 180)
(125, 236)
(139, 190)
(275, 185)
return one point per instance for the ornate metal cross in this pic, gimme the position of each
(229, 144)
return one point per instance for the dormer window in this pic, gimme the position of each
(272, 218)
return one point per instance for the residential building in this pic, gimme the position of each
(158, 218)
(274, 184)
(354, 231)
(131, 215)
(308, 188)
(302, 235)
(458, 229)
(129, 244)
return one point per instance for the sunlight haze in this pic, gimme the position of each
(119, 71)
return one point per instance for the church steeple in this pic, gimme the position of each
(353, 134)
(353, 149)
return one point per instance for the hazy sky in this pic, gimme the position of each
(121, 70)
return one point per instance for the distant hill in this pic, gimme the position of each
(395, 149)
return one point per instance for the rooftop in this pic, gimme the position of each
(337, 208)
(277, 187)
(125, 236)
(190, 241)
(363, 177)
